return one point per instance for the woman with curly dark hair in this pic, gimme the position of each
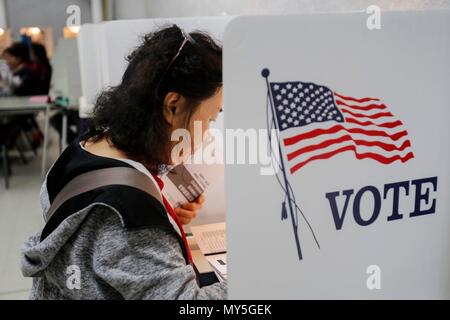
(110, 233)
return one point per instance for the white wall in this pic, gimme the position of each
(131, 9)
(3, 21)
(43, 13)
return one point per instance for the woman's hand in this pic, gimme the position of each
(189, 211)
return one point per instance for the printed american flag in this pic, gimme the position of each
(316, 123)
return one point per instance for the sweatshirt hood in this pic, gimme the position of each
(37, 253)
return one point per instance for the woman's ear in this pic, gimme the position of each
(172, 102)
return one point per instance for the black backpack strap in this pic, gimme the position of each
(104, 177)
(132, 193)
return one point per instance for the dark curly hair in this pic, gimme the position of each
(130, 115)
(19, 50)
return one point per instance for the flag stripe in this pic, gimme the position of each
(359, 148)
(389, 125)
(354, 99)
(371, 155)
(364, 108)
(347, 137)
(320, 139)
(371, 116)
(316, 132)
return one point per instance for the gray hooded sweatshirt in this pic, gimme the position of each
(96, 251)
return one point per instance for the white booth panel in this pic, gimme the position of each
(323, 73)
(90, 57)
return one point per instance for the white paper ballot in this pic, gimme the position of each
(211, 238)
(185, 182)
(219, 263)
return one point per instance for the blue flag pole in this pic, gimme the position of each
(265, 73)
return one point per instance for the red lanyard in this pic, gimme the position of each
(174, 217)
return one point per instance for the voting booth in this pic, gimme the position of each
(357, 205)
(336, 158)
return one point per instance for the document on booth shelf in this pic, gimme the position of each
(219, 264)
(212, 241)
(211, 238)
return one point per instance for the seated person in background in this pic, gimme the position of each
(24, 82)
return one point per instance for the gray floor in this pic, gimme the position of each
(20, 216)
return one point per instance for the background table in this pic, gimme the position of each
(23, 105)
